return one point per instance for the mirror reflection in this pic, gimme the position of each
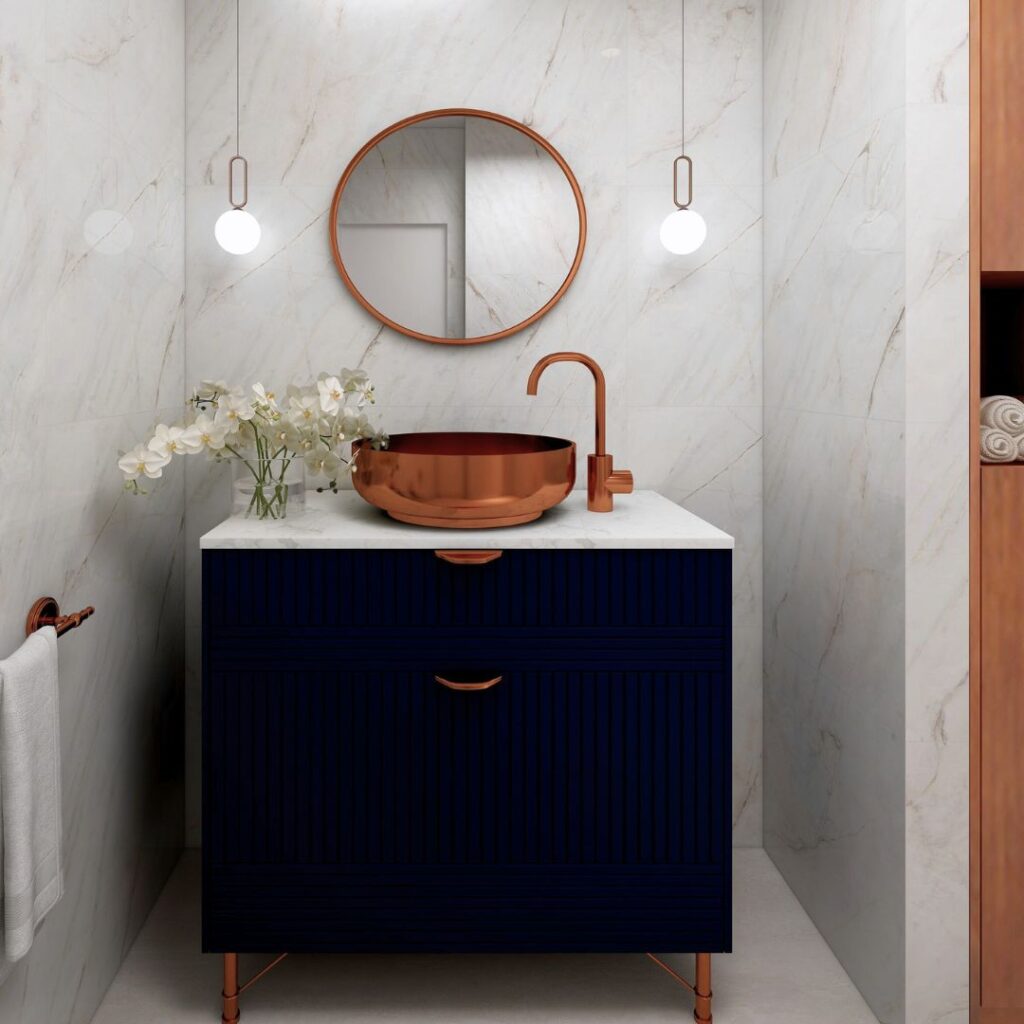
(458, 228)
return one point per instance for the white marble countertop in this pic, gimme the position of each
(641, 520)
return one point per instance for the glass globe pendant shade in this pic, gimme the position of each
(683, 232)
(237, 232)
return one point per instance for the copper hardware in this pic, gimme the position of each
(603, 481)
(682, 121)
(483, 684)
(46, 612)
(458, 112)
(259, 974)
(701, 988)
(231, 181)
(232, 991)
(229, 994)
(466, 480)
(675, 181)
(466, 556)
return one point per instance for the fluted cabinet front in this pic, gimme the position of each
(352, 802)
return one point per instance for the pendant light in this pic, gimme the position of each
(683, 231)
(237, 231)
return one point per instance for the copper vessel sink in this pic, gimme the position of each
(466, 480)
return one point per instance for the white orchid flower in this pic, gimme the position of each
(233, 410)
(304, 410)
(322, 462)
(358, 383)
(332, 394)
(314, 421)
(206, 433)
(191, 440)
(265, 397)
(365, 393)
(142, 461)
(208, 390)
(309, 440)
(352, 425)
(285, 434)
(169, 440)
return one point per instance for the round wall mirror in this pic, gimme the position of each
(458, 226)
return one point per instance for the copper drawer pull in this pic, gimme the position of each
(483, 684)
(466, 556)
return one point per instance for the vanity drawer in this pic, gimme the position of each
(415, 589)
(381, 811)
(372, 652)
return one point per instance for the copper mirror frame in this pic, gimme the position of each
(332, 224)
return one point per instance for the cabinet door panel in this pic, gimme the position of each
(1002, 738)
(1002, 135)
(572, 791)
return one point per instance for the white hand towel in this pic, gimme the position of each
(30, 814)
(998, 446)
(1003, 413)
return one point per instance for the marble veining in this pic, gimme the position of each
(679, 338)
(937, 511)
(866, 491)
(834, 500)
(92, 354)
(643, 519)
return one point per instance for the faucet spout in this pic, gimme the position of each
(599, 389)
(603, 480)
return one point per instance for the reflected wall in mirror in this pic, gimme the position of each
(458, 226)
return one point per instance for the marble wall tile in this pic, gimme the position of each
(834, 647)
(866, 488)
(937, 513)
(679, 339)
(93, 350)
(834, 457)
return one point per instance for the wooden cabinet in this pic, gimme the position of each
(353, 803)
(997, 517)
(1001, 116)
(1001, 816)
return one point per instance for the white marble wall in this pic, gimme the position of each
(91, 349)
(835, 357)
(866, 487)
(937, 511)
(680, 339)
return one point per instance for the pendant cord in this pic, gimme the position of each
(682, 77)
(238, 134)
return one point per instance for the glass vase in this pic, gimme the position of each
(267, 488)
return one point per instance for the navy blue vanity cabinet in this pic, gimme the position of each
(353, 803)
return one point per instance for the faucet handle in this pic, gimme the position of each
(620, 481)
(604, 481)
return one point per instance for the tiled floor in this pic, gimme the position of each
(781, 971)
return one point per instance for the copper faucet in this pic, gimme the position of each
(602, 480)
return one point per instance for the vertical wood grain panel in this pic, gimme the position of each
(1002, 734)
(1002, 135)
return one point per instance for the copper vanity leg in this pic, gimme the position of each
(702, 990)
(231, 1013)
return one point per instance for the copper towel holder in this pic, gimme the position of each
(46, 612)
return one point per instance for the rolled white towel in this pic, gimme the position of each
(1003, 413)
(999, 446)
